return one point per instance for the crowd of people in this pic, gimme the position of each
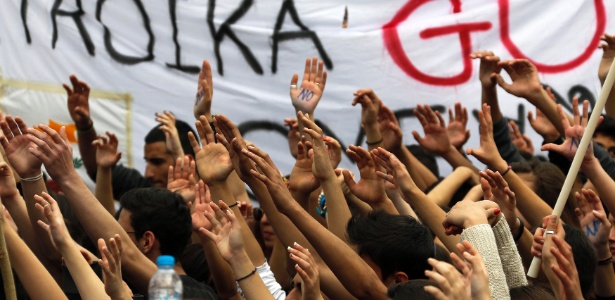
(396, 230)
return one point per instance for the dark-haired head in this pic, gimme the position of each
(157, 220)
(396, 247)
(411, 289)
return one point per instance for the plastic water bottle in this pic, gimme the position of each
(165, 284)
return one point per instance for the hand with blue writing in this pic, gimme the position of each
(204, 93)
(574, 132)
(607, 56)
(305, 96)
(593, 219)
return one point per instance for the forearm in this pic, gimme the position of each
(373, 138)
(542, 101)
(87, 282)
(98, 223)
(37, 282)
(252, 286)
(386, 205)
(17, 208)
(359, 206)
(338, 212)
(474, 194)
(602, 181)
(422, 176)
(442, 193)
(489, 95)
(238, 187)
(456, 160)
(356, 276)
(221, 190)
(532, 207)
(524, 246)
(432, 216)
(401, 205)
(511, 261)
(605, 275)
(45, 248)
(87, 150)
(220, 270)
(278, 264)
(104, 189)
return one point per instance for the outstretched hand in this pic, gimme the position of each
(593, 219)
(229, 136)
(167, 125)
(78, 103)
(204, 92)
(488, 68)
(201, 207)
(436, 136)
(17, 147)
(306, 267)
(58, 233)
(106, 150)
(487, 153)
(54, 150)
(607, 56)
(370, 187)
(306, 96)
(495, 188)
(574, 132)
(181, 178)
(389, 129)
(458, 134)
(213, 160)
(111, 265)
(525, 81)
(522, 142)
(225, 231)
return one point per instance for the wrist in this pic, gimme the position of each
(239, 262)
(85, 126)
(474, 220)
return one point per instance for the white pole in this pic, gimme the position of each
(578, 157)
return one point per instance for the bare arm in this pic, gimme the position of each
(54, 151)
(106, 157)
(88, 284)
(444, 191)
(79, 110)
(356, 276)
(37, 282)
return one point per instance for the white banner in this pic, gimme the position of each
(409, 52)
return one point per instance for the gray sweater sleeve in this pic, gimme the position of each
(511, 260)
(482, 238)
(507, 149)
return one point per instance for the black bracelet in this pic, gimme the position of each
(86, 129)
(374, 143)
(242, 278)
(606, 262)
(504, 173)
(521, 229)
(233, 205)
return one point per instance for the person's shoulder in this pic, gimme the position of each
(196, 290)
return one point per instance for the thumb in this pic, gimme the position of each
(501, 82)
(348, 179)
(552, 222)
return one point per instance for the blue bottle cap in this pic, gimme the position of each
(165, 260)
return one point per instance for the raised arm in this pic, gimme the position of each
(16, 144)
(370, 104)
(106, 157)
(286, 231)
(224, 281)
(54, 150)
(392, 141)
(442, 193)
(436, 137)
(605, 64)
(338, 211)
(38, 283)
(431, 214)
(356, 276)
(88, 284)
(79, 110)
(111, 266)
(531, 206)
(214, 164)
(595, 223)
(226, 234)
(167, 121)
